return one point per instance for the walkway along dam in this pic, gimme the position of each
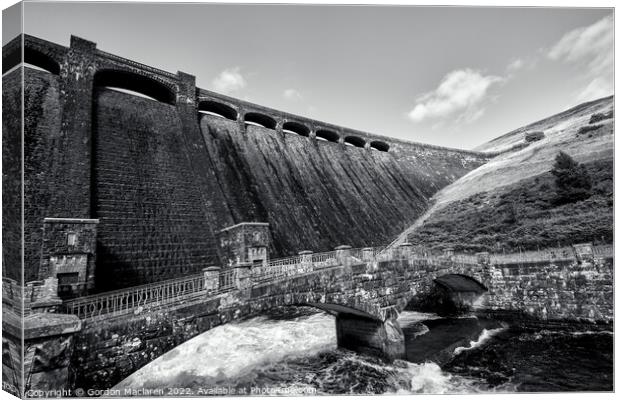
(151, 219)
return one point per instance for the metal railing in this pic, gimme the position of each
(226, 279)
(324, 260)
(124, 300)
(284, 261)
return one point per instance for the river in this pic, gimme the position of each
(284, 354)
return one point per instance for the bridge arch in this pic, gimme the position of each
(123, 329)
(131, 81)
(296, 127)
(379, 145)
(460, 283)
(448, 294)
(449, 290)
(222, 110)
(254, 118)
(327, 135)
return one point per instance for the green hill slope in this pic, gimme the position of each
(508, 203)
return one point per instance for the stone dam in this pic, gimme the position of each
(163, 174)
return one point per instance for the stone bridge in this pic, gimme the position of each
(96, 341)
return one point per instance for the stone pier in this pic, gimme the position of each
(370, 336)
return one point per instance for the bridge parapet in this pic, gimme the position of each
(213, 282)
(343, 255)
(35, 297)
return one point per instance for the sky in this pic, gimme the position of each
(450, 76)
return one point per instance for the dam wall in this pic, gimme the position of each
(12, 175)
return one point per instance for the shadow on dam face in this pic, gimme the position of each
(451, 294)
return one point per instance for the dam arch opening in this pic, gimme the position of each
(379, 146)
(258, 119)
(296, 128)
(327, 135)
(354, 141)
(135, 84)
(217, 109)
(32, 58)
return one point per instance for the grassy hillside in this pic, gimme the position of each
(509, 204)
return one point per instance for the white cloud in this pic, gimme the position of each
(520, 64)
(592, 43)
(590, 47)
(597, 88)
(461, 94)
(229, 80)
(292, 94)
(515, 65)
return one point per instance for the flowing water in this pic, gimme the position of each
(296, 355)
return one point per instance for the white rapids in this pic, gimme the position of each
(298, 353)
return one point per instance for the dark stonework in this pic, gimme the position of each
(247, 242)
(71, 165)
(369, 336)
(69, 254)
(11, 174)
(47, 349)
(12, 353)
(48, 340)
(154, 222)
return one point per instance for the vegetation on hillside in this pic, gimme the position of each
(571, 204)
(572, 181)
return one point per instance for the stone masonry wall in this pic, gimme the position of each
(109, 350)
(41, 134)
(560, 291)
(69, 248)
(556, 291)
(11, 175)
(153, 220)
